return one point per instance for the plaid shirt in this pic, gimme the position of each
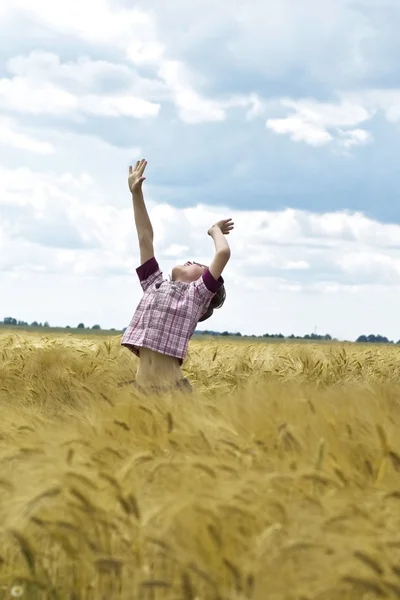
(168, 312)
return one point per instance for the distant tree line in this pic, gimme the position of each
(362, 339)
(374, 339)
(17, 323)
(274, 336)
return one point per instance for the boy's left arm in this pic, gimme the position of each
(222, 251)
(143, 226)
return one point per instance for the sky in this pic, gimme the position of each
(284, 116)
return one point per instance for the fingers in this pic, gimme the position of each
(140, 166)
(227, 226)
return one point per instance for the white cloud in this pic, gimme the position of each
(83, 74)
(12, 136)
(300, 131)
(42, 66)
(134, 34)
(292, 269)
(40, 85)
(176, 250)
(141, 37)
(70, 213)
(193, 108)
(371, 266)
(143, 53)
(60, 211)
(67, 232)
(253, 102)
(119, 105)
(22, 95)
(329, 115)
(99, 22)
(315, 122)
(355, 137)
(387, 100)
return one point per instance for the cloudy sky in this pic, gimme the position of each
(283, 115)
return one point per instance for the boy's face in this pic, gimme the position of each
(194, 270)
(189, 272)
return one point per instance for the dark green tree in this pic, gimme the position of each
(10, 321)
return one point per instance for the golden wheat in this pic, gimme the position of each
(279, 479)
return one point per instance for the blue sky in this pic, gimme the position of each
(282, 115)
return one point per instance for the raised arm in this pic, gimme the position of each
(222, 250)
(142, 220)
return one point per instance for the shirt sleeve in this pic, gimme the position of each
(149, 273)
(206, 286)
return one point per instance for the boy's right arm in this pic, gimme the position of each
(143, 227)
(142, 219)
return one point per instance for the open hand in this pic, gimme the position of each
(135, 177)
(226, 226)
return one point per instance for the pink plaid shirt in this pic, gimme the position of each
(168, 312)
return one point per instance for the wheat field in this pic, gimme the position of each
(279, 479)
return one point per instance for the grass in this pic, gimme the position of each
(279, 479)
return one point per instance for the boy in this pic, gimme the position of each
(169, 311)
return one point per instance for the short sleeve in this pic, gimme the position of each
(206, 286)
(149, 273)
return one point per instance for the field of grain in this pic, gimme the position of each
(279, 479)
